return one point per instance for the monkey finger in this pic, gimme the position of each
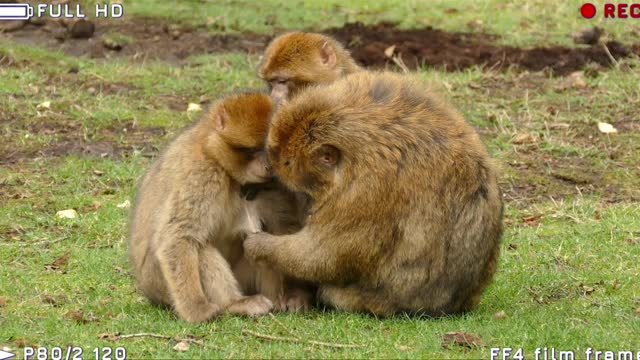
(297, 302)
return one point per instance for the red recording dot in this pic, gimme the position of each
(588, 11)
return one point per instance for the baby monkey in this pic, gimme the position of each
(406, 214)
(190, 220)
(298, 59)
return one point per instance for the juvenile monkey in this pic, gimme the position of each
(189, 222)
(407, 213)
(298, 59)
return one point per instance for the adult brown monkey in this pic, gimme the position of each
(407, 213)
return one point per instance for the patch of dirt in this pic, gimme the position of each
(533, 173)
(458, 51)
(153, 39)
(116, 141)
(541, 176)
(148, 39)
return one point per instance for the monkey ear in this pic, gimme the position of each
(220, 120)
(328, 55)
(328, 156)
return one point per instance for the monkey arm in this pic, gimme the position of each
(302, 255)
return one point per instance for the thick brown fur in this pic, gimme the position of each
(189, 221)
(296, 60)
(407, 213)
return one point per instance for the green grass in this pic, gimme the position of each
(568, 277)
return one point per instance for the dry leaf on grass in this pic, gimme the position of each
(500, 315)
(532, 220)
(586, 289)
(55, 300)
(67, 214)
(182, 346)
(523, 139)
(638, 311)
(96, 205)
(125, 205)
(575, 80)
(3, 302)
(21, 343)
(44, 105)
(588, 36)
(122, 271)
(388, 52)
(461, 339)
(108, 336)
(193, 107)
(476, 25)
(606, 128)
(58, 263)
(80, 317)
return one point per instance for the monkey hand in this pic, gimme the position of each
(257, 246)
(295, 300)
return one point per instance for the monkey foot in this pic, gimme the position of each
(295, 301)
(256, 305)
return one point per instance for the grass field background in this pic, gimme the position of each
(568, 277)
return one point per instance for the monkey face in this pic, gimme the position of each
(296, 60)
(279, 90)
(282, 89)
(258, 169)
(312, 172)
(252, 165)
(240, 125)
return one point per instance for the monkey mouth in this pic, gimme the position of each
(264, 179)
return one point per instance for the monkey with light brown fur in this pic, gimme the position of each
(296, 60)
(406, 215)
(190, 220)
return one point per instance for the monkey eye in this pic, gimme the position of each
(247, 152)
(287, 163)
(281, 81)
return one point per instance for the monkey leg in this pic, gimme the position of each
(221, 287)
(151, 281)
(218, 281)
(246, 273)
(270, 284)
(179, 261)
(355, 299)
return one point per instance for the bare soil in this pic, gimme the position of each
(458, 51)
(117, 141)
(155, 39)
